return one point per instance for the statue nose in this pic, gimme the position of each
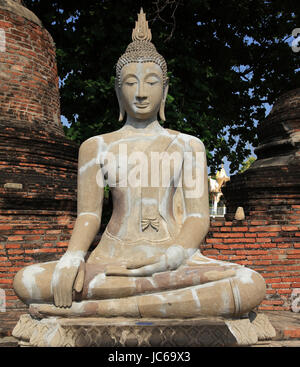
(140, 98)
(141, 92)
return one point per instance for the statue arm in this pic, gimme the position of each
(90, 193)
(89, 206)
(195, 191)
(196, 214)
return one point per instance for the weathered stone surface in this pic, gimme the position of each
(147, 263)
(295, 299)
(263, 328)
(239, 214)
(120, 332)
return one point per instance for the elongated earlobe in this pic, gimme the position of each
(122, 114)
(162, 111)
(163, 103)
(121, 108)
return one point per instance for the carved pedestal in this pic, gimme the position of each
(121, 332)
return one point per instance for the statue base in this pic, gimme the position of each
(121, 332)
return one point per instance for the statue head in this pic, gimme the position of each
(141, 76)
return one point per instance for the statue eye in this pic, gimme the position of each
(130, 83)
(152, 82)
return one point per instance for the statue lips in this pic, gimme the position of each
(141, 105)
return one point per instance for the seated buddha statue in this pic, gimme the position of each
(148, 262)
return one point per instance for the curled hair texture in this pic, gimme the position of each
(141, 51)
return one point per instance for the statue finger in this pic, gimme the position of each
(60, 292)
(56, 295)
(148, 269)
(141, 263)
(65, 290)
(68, 297)
(57, 298)
(117, 270)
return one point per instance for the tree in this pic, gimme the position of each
(247, 164)
(225, 60)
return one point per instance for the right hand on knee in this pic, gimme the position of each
(64, 276)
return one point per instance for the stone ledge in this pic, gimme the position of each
(121, 332)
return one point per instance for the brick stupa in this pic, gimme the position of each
(38, 165)
(270, 189)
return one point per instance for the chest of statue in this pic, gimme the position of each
(143, 174)
(143, 162)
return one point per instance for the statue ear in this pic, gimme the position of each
(121, 107)
(163, 102)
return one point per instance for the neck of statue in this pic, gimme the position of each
(138, 125)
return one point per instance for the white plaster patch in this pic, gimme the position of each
(102, 147)
(162, 308)
(2, 40)
(112, 250)
(79, 306)
(68, 260)
(161, 297)
(29, 281)
(174, 256)
(244, 275)
(223, 263)
(152, 281)
(147, 201)
(50, 334)
(97, 281)
(195, 297)
(194, 215)
(190, 252)
(49, 319)
(88, 213)
(90, 163)
(210, 284)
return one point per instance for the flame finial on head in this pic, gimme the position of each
(141, 32)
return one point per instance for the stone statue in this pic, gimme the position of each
(215, 187)
(148, 262)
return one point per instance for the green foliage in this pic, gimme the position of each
(225, 60)
(246, 164)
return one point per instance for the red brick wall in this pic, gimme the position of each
(271, 249)
(29, 239)
(28, 75)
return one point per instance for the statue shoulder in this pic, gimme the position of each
(189, 141)
(97, 143)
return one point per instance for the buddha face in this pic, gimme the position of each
(141, 93)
